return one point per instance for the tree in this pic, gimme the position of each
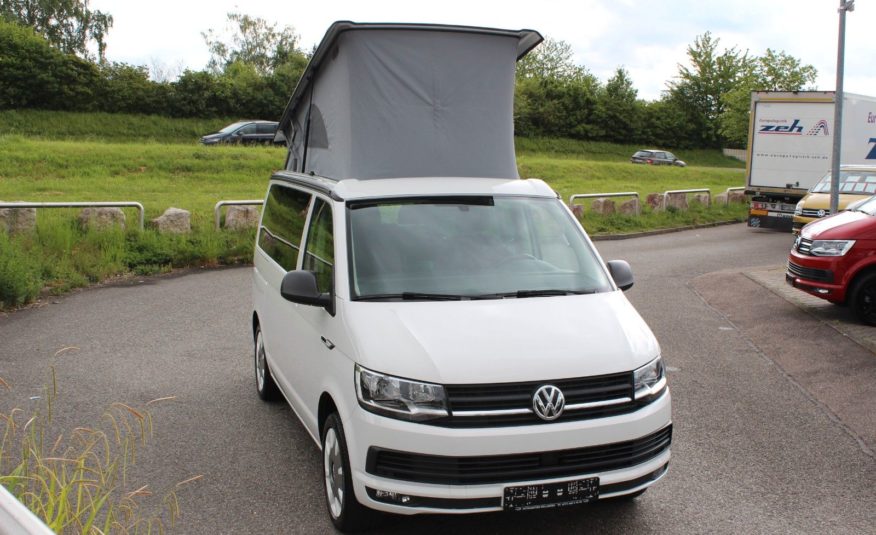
(68, 25)
(554, 96)
(618, 114)
(33, 74)
(253, 41)
(551, 59)
(774, 71)
(698, 90)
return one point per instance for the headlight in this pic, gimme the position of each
(399, 398)
(798, 210)
(650, 379)
(831, 247)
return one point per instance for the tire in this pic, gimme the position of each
(863, 299)
(347, 514)
(266, 388)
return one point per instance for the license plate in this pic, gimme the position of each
(547, 495)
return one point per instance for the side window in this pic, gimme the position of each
(248, 129)
(266, 128)
(283, 225)
(319, 253)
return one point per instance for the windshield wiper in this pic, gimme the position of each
(419, 296)
(549, 292)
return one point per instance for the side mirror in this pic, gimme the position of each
(621, 273)
(300, 287)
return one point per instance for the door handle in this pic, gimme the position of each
(328, 343)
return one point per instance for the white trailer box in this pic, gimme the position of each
(790, 147)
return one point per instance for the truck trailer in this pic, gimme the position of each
(790, 145)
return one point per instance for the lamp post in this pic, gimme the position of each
(844, 6)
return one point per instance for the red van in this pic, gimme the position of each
(835, 258)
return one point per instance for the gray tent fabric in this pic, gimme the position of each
(391, 101)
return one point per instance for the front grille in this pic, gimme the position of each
(805, 246)
(506, 404)
(517, 467)
(812, 212)
(812, 274)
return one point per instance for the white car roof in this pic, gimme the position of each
(353, 189)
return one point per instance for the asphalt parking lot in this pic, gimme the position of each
(772, 405)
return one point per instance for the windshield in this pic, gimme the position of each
(868, 206)
(232, 127)
(473, 247)
(855, 182)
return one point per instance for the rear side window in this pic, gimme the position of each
(266, 128)
(283, 225)
(319, 253)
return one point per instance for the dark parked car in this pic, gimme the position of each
(656, 157)
(248, 132)
(835, 259)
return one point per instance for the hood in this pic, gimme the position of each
(213, 137)
(501, 340)
(821, 201)
(841, 226)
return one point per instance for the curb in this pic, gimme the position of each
(612, 237)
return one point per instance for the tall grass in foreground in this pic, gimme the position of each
(78, 482)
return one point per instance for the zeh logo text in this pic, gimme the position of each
(795, 129)
(872, 154)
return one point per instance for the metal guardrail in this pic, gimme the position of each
(727, 193)
(615, 194)
(136, 205)
(667, 193)
(16, 519)
(217, 210)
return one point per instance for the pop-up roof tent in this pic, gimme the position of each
(407, 100)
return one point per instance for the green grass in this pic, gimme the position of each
(107, 127)
(159, 175)
(67, 157)
(611, 152)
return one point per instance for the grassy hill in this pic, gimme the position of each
(53, 156)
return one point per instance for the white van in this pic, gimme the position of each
(452, 344)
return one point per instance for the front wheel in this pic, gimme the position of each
(347, 514)
(863, 299)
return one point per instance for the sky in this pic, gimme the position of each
(648, 38)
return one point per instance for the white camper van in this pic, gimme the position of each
(445, 331)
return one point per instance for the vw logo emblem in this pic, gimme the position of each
(548, 402)
(822, 213)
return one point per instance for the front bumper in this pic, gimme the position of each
(818, 276)
(412, 497)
